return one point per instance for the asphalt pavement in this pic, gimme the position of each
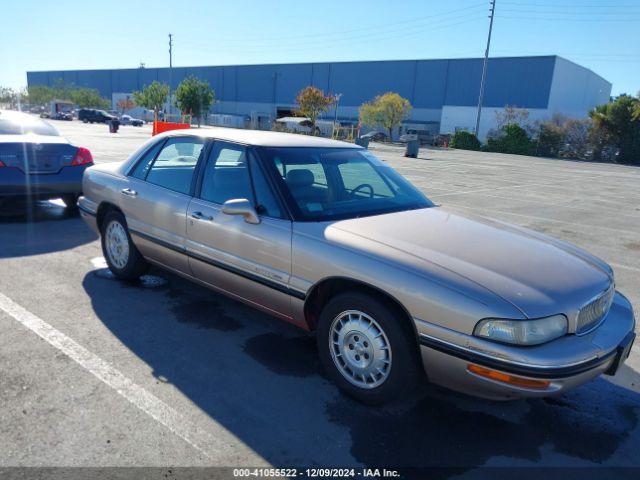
(96, 372)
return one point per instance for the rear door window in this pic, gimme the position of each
(175, 165)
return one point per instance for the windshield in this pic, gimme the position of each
(336, 183)
(17, 123)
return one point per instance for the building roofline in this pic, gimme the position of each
(303, 63)
(584, 68)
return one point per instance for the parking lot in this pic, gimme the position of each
(102, 373)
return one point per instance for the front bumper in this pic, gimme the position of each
(89, 213)
(15, 183)
(561, 365)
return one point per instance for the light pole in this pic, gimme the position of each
(170, 70)
(484, 67)
(335, 115)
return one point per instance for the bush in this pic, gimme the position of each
(511, 138)
(465, 141)
(551, 138)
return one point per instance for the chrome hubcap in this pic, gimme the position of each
(360, 349)
(117, 244)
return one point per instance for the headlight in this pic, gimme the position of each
(522, 332)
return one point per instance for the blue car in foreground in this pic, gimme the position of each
(37, 163)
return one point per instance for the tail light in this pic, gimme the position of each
(2, 164)
(83, 157)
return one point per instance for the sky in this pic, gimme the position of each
(602, 35)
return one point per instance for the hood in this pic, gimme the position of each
(537, 274)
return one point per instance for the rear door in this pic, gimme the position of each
(156, 198)
(249, 261)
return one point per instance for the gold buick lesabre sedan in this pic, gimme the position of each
(326, 236)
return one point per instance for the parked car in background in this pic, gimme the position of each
(129, 120)
(303, 125)
(91, 115)
(441, 139)
(63, 116)
(376, 136)
(326, 236)
(60, 110)
(36, 162)
(425, 137)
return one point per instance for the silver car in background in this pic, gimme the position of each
(324, 235)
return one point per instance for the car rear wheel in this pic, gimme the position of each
(71, 201)
(122, 256)
(366, 349)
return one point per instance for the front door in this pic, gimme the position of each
(249, 261)
(156, 200)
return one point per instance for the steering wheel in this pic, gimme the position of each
(360, 187)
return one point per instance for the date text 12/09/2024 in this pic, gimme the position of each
(315, 473)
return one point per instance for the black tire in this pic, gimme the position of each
(71, 201)
(405, 364)
(84, 120)
(136, 265)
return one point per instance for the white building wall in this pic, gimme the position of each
(464, 118)
(575, 90)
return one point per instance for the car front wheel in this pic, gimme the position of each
(366, 349)
(122, 256)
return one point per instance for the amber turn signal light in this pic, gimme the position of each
(506, 378)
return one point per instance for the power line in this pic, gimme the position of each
(368, 38)
(569, 19)
(388, 27)
(570, 5)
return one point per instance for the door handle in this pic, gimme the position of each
(201, 216)
(128, 192)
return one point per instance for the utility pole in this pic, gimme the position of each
(170, 70)
(484, 67)
(335, 116)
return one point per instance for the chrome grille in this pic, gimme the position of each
(593, 312)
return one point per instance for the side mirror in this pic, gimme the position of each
(241, 206)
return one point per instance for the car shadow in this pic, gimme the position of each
(40, 227)
(261, 379)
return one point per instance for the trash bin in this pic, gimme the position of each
(114, 125)
(413, 147)
(363, 141)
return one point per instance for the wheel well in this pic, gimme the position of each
(327, 289)
(103, 209)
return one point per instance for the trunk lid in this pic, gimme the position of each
(36, 154)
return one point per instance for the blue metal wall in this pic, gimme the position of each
(521, 81)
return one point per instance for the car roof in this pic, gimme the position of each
(261, 138)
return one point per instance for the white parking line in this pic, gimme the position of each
(221, 447)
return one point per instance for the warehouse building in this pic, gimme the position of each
(444, 93)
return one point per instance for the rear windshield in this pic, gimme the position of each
(16, 123)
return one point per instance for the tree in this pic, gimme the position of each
(152, 97)
(312, 102)
(620, 121)
(194, 96)
(511, 114)
(385, 111)
(86, 97)
(125, 104)
(40, 94)
(9, 97)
